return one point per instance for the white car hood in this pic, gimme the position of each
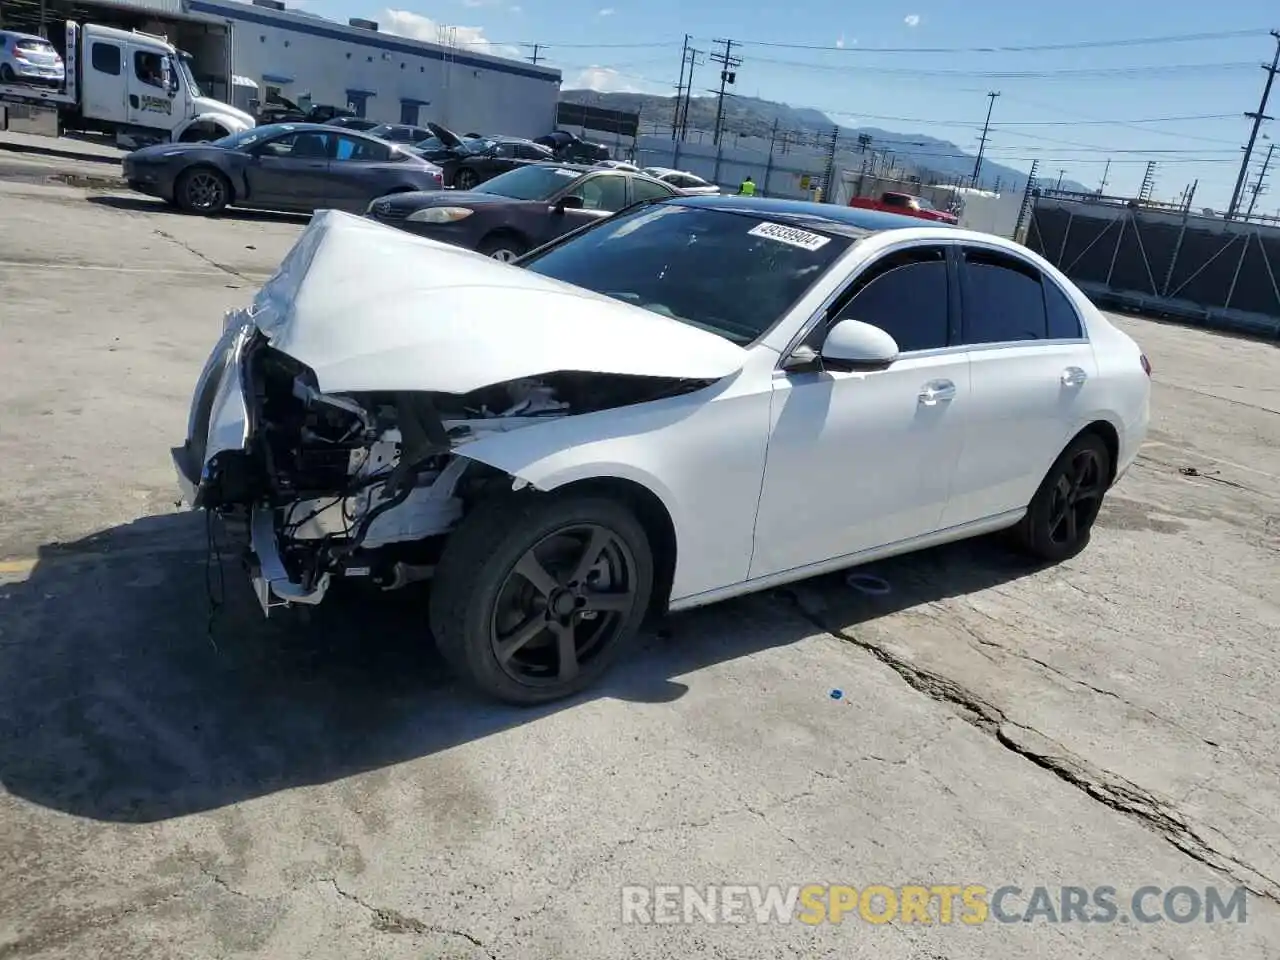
(372, 308)
(207, 106)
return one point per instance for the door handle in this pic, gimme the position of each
(1074, 377)
(937, 391)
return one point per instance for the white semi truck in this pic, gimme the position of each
(134, 85)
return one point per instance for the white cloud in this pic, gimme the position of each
(911, 19)
(606, 80)
(840, 44)
(606, 12)
(403, 23)
(517, 9)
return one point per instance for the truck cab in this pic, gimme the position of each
(142, 88)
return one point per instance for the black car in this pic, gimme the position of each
(284, 110)
(520, 209)
(471, 160)
(297, 167)
(399, 132)
(574, 149)
(353, 123)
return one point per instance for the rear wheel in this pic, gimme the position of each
(502, 246)
(202, 190)
(6, 73)
(536, 596)
(466, 179)
(1060, 519)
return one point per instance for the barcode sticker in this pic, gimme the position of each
(792, 236)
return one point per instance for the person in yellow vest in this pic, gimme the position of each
(747, 188)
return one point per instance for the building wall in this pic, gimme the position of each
(336, 64)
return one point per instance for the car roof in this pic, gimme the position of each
(314, 127)
(22, 36)
(846, 221)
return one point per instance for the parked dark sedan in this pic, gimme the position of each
(519, 210)
(469, 161)
(353, 123)
(298, 167)
(399, 132)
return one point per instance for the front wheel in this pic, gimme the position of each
(1059, 520)
(466, 179)
(536, 596)
(203, 190)
(504, 247)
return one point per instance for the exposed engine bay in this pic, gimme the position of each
(370, 484)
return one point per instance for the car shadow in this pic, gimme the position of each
(153, 205)
(126, 697)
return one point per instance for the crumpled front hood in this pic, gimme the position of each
(207, 106)
(372, 308)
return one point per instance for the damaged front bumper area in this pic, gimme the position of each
(311, 486)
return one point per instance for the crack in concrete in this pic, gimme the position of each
(68, 929)
(1107, 788)
(196, 253)
(387, 920)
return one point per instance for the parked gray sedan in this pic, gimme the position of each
(296, 167)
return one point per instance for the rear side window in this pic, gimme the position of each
(1002, 298)
(905, 295)
(1064, 322)
(105, 58)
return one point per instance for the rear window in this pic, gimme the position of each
(730, 274)
(35, 46)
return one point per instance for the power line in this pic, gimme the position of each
(1164, 71)
(1044, 123)
(1032, 48)
(1257, 118)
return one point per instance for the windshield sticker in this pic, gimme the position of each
(791, 236)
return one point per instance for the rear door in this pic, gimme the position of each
(1033, 375)
(357, 172)
(105, 80)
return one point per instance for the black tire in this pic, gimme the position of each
(479, 596)
(1059, 520)
(6, 74)
(502, 246)
(202, 190)
(466, 179)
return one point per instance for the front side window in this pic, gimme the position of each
(905, 295)
(642, 189)
(608, 193)
(149, 68)
(305, 145)
(1001, 297)
(721, 271)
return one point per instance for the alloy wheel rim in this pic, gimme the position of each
(562, 605)
(504, 255)
(1077, 497)
(204, 191)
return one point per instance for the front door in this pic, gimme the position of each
(866, 459)
(151, 99)
(291, 172)
(1033, 377)
(602, 195)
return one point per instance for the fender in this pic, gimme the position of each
(226, 124)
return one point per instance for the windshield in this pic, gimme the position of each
(247, 138)
(924, 204)
(534, 182)
(477, 145)
(731, 274)
(184, 64)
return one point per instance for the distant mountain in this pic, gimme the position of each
(752, 117)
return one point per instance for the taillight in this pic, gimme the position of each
(1146, 365)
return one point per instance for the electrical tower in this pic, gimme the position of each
(1238, 193)
(829, 175)
(728, 74)
(1148, 183)
(982, 141)
(1259, 184)
(1026, 199)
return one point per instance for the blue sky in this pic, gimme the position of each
(623, 45)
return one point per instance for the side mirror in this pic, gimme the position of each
(854, 345)
(571, 202)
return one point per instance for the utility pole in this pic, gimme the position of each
(1238, 193)
(1061, 174)
(675, 108)
(535, 58)
(1258, 184)
(728, 74)
(1105, 170)
(688, 92)
(982, 142)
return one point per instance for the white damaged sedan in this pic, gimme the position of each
(693, 399)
